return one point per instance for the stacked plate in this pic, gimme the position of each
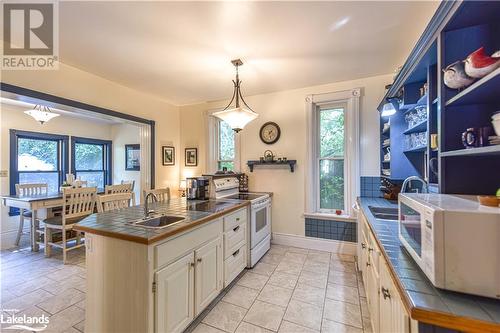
(495, 121)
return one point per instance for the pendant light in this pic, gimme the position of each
(41, 113)
(239, 114)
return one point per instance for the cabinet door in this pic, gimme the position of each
(372, 292)
(208, 274)
(385, 300)
(175, 295)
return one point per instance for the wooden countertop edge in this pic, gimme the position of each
(428, 316)
(152, 240)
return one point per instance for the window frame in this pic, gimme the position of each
(62, 159)
(350, 98)
(217, 144)
(107, 157)
(212, 152)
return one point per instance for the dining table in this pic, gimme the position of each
(35, 203)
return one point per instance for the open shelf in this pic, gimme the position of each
(408, 107)
(416, 150)
(482, 91)
(420, 127)
(290, 163)
(488, 150)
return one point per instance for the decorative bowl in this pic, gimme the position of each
(488, 200)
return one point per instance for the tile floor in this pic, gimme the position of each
(291, 290)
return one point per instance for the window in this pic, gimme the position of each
(332, 177)
(91, 161)
(331, 158)
(37, 158)
(225, 146)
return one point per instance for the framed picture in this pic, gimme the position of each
(133, 157)
(168, 154)
(191, 157)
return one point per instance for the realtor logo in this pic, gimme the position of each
(30, 35)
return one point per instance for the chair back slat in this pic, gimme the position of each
(109, 202)
(32, 189)
(80, 183)
(130, 182)
(161, 194)
(121, 188)
(79, 201)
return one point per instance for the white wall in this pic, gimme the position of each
(124, 134)
(287, 108)
(13, 117)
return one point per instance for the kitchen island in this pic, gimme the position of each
(158, 280)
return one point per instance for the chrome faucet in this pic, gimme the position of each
(147, 211)
(409, 186)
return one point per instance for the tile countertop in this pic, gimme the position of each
(425, 302)
(115, 223)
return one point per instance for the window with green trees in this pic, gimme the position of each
(226, 150)
(92, 161)
(331, 158)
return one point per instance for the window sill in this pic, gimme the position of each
(334, 217)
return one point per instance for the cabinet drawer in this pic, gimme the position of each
(234, 264)
(234, 239)
(233, 220)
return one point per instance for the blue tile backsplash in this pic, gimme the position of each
(370, 187)
(330, 229)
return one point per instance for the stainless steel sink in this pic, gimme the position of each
(158, 221)
(384, 213)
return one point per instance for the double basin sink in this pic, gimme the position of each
(158, 221)
(384, 213)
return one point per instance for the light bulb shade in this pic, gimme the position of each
(41, 115)
(388, 110)
(237, 117)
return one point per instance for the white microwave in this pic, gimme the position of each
(454, 240)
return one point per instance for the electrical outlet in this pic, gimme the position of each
(4, 173)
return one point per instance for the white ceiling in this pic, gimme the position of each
(181, 51)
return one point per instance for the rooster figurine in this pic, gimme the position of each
(455, 77)
(478, 64)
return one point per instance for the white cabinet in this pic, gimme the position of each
(235, 245)
(387, 312)
(174, 295)
(208, 274)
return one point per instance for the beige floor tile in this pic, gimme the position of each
(61, 301)
(65, 319)
(249, 328)
(225, 316)
(289, 327)
(203, 328)
(275, 295)
(264, 269)
(342, 293)
(278, 249)
(241, 296)
(284, 280)
(254, 281)
(81, 304)
(343, 266)
(80, 326)
(72, 282)
(364, 307)
(346, 279)
(273, 259)
(30, 286)
(66, 272)
(304, 314)
(6, 296)
(23, 302)
(367, 326)
(314, 279)
(71, 330)
(319, 256)
(343, 257)
(298, 250)
(265, 315)
(295, 257)
(329, 326)
(309, 294)
(342, 312)
(289, 267)
(315, 266)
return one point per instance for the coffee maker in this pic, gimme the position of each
(197, 188)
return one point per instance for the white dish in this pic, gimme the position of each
(496, 125)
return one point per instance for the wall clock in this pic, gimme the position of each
(270, 133)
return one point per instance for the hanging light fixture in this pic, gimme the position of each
(239, 115)
(41, 113)
(388, 110)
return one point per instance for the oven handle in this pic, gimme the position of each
(261, 204)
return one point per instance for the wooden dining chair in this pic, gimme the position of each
(107, 202)
(80, 183)
(77, 204)
(26, 190)
(131, 182)
(161, 194)
(121, 188)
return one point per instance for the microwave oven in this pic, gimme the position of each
(454, 240)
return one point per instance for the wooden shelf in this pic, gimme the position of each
(420, 127)
(416, 150)
(480, 92)
(488, 150)
(408, 107)
(290, 163)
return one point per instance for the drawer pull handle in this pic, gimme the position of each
(236, 229)
(198, 260)
(237, 219)
(191, 264)
(370, 249)
(363, 245)
(385, 293)
(236, 253)
(368, 264)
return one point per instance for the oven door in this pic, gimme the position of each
(261, 222)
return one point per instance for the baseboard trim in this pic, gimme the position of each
(313, 243)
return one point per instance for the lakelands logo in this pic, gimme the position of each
(30, 35)
(10, 320)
